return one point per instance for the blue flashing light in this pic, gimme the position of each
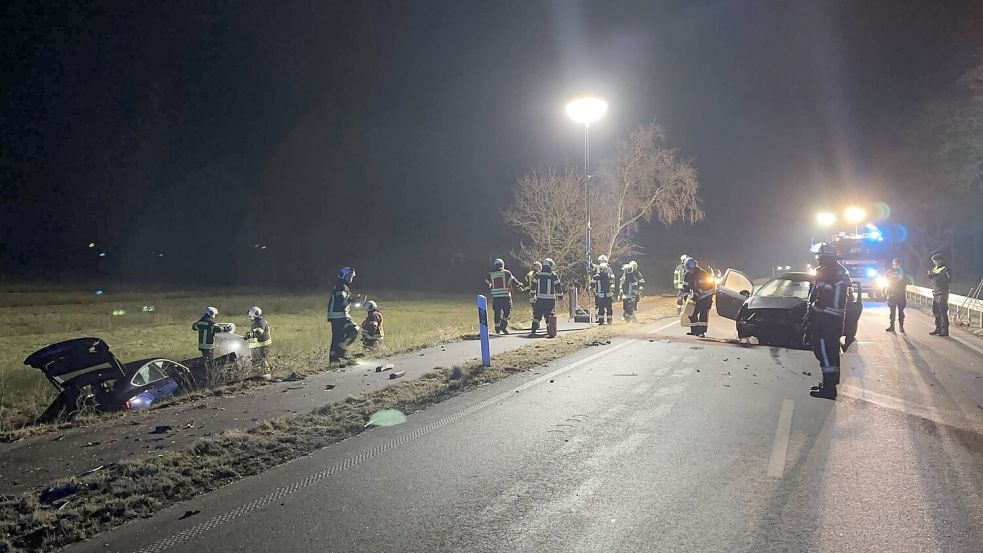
(871, 272)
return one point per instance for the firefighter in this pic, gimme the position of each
(548, 288)
(679, 282)
(699, 284)
(259, 336)
(632, 284)
(602, 283)
(500, 283)
(531, 284)
(372, 333)
(825, 317)
(205, 327)
(897, 282)
(343, 328)
(940, 295)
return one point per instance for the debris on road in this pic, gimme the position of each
(294, 377)
(386, 417)
(162, 429)
(91, 444)
(625, 374)
(189, 514)
(386, 367)
(58, 438)
(396, 374)
(807, 373)
(329, 386)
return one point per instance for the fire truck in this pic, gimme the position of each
(866, 255)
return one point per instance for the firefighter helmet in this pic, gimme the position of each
(826, 253)
(371, 306)
(499, 264)
(347, 274)
(602, 259)
(692, 263)
(683, 258)
(634, 264)
(627, 267)
(255, 312)
(537, 266)
(548, 264)
(211, 312)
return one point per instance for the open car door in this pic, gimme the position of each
(732, 291)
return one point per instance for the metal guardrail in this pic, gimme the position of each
(960, 307)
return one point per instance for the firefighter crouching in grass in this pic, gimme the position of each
(372, 333)
(344, 331)
(205, 327)
(259, 337)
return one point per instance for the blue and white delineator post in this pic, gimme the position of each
(483, 330)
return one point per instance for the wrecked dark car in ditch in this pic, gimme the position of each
(89, 377)
(773, 313)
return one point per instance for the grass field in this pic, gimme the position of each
(301, 335)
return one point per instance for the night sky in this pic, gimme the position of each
(388, 134)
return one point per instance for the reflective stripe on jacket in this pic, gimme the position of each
(500, 283)
(260, 332)
(548, 285)
(205, 327)
(340, 303)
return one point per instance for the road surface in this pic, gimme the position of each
(658, 442)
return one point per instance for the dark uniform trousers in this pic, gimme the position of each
(701, 313)
(825, 332)
(543, 308)
(502, 306)
(343, 335)
(940, 308)
(896, 303)
(605, 306)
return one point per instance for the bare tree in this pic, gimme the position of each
(647, 180)
(548, 209)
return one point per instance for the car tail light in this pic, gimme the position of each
(127, 405)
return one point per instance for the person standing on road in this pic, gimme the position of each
(602, 284)
(699, 283)
(259, 337)
(548, 288)
(897, 284)
(825, 318)
(679, 282)
(941, 278)
(205, 327)
(343, 328)
(632, 284)
(531, 283)
(500, 283)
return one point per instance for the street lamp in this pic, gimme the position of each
(855, 215)
(825, 218)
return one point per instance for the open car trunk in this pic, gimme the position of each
(80, 369)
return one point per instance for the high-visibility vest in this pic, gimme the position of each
(500, 283)
(340, 303)
(547, 285)
(205, 327)
(260, 330)
(631, 284)
(679, 276)
(372, 325)
(604, 283)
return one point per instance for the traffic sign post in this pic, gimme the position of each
(483, 330)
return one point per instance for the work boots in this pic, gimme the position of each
(890, 327)
(826, 389)
(610, 321)
(901, 326)
(535, 328)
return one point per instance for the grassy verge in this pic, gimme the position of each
(300, 333)
(138, 488)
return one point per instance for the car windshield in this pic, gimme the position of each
(785, 288)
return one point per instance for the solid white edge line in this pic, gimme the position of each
(776, 467)
(966, 343)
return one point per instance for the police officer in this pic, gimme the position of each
(632, 284)
(699, 284)
(531, 283)
(343, 329)
(825, 318)
(679, 282)
(941, 278)
(372, 333)
(205, 327)
(897, 283)
(548, 288)
(602, 283)
(500, 282)
(259, 336)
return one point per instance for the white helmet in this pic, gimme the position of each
(602, 259)
(548, 264)
(211, 312)
(255, 312)
(499, 264)
(538, 266)
(371, 306)
(628, 267)
(683, 258)
(634, 264)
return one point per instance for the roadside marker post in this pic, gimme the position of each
(483, 330)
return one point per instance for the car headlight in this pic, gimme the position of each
(882, 282)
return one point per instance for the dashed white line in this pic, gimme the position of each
(776, 467)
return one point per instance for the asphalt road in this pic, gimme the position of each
(654, 443)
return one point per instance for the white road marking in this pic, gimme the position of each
(967, 343)
(776, 467)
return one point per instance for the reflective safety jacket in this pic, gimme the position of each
(700, 282)
(372, 325)
(531, 283)
(340, 303)
(548, 285)
(205, 327)
(897, 282)
(940, 280)
(632, 284)
(602, 283)
(259, 333)
(501, 282)
(831, 291)
(679, 277)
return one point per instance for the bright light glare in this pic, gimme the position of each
(871, 272)
(812, 271)
(586, 110)
(882, 282)
(825, 218)
(855, 214)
